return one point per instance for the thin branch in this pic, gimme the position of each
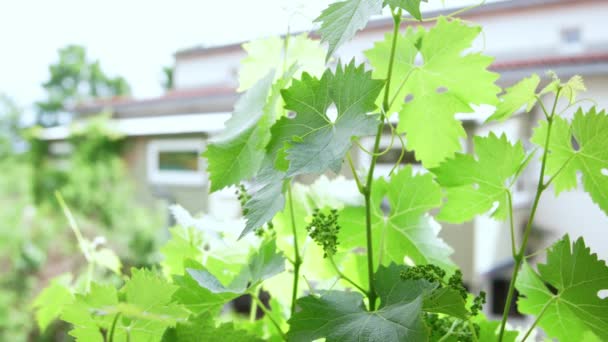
(455, 13)
(400, 156)
(344, 277)
(520, 256)
(297, 258)
(354, 171)
(268, 314)
(510, 204)
(546, 185)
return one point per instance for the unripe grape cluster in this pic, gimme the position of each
(323, 229)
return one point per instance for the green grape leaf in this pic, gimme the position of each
(341, 316)
(447, 82)
(407, 231)
(203, 328)
(87, 313)
(264, 55)
(489, 330)
(411, 6)
(405, 55)
(578, 276)
(319, 143)
(268, 200)
(238, 152)
(447, 301)
(341, 20)
(579, 146)
(473, 186)
(521, 94)
(311, 142)
(185, 243)
(50, 302)
(147, 310)
(195, 298)
(149, 305)
(265, 263)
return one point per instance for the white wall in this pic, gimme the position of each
(521, 34)
(213, 70)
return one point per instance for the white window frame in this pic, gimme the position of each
(183, 178)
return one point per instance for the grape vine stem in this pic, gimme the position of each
(297, 262)
(268, 314)
(519, 258)
(367, 189)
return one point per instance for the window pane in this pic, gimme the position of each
(178, 161)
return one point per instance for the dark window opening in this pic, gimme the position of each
(392, 155)
(500, 289)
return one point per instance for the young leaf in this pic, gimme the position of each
(185, 243)
(579, 146)
(447, 82)
(488, 331)
(474, 185)
(521, 94)
(578, 276)
(149, 305)
(264, 55)
(568, 90)
(203, 328)
(341, 20)
(106, 258)
(147, 310)
(263, 264)
(195, 298)
(407, 230)
(319, 143)
(341, 316)
(86, 313)
(411, 6)
(50, 302)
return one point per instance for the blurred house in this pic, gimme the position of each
(167, 133)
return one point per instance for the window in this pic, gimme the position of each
(499, 291)
(571, 40)
(176, 162)
(571, 35)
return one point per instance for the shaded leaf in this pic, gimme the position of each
(341, 20)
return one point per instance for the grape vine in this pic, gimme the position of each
(368, 265)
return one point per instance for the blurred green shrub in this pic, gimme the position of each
(36, 243)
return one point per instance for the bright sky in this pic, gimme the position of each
(134, 38)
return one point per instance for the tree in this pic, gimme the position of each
(75, 79)
(168, 78)
(9, 125)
